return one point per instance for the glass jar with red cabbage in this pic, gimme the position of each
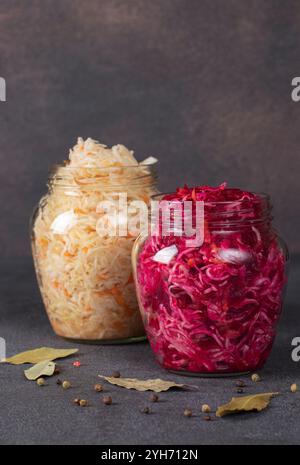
(213, 308)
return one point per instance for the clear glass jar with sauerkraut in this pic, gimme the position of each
(212, 308)
(81, 252)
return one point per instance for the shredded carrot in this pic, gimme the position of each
(68, 254)
(79, 211)
(44, 242)
(102, 276)
(130, 279)
(67, 293)
(89, 229)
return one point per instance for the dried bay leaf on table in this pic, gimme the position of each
(45, 368)
(156, 385)
(39, 355)
(256, 402)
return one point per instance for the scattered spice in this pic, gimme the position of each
(40, 382)
(76, 401)
(187, 412)
(153, 397)
(59, 382)
(66, 384)
(205, 408)
(206, 417)
(76, 363)
(145, 410)
(98, 387)
(45, 368)
(156, 385)
(107, 400)
(240, 383)
(116, 374)
(39, 355)
(256, 402)
(56, 371)
(83, 403)
(255, 378)
(294, 387)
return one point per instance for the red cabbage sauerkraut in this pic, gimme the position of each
(214, 308)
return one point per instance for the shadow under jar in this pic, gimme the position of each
(213, 309)
(83, 264)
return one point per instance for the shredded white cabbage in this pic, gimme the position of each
(165, 255)
(86, 280)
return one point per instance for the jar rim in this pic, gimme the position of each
(260, 196)
(226, 213)
(87, 177)
(67, 166)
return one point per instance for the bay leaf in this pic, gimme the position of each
(45, 368)
(156, 385)
(256, 402)
(39, 355)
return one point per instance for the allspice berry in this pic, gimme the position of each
(83, 403)
(98, 387)
(76, 401)
(187, 412)
(294, 387)
(40, 382)
(153, 397)
(205, 408)
(255, 378)
(66, 384)
(240, 383)
(107, 400)
(145, 410)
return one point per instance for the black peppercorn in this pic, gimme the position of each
(153, 397)
(145, 410)
(116, 374)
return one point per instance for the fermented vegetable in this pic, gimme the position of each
(85, 272)
(214, 308)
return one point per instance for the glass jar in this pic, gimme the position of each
(82, 252)
(213, 309)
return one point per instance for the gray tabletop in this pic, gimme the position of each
(46, 415)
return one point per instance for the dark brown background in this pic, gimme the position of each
(202, 84)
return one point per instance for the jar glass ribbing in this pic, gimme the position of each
(85, 277)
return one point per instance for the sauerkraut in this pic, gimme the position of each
(85, 278)
(214, 308)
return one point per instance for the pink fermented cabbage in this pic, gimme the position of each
(214, 308)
